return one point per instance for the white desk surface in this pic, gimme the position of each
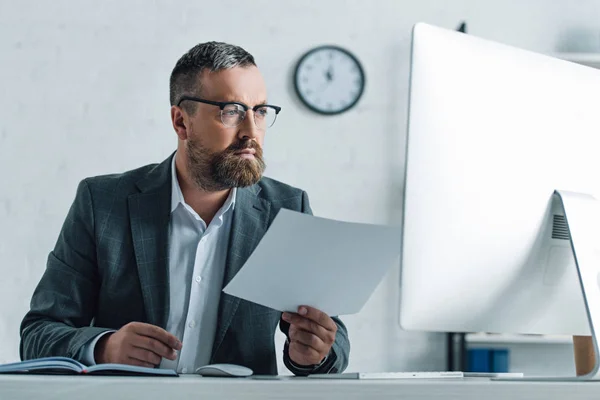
(19, 387)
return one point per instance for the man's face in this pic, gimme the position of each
(220, 157)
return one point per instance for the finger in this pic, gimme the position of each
(292, 330)
(311, 340)
(139, 363)
(303, 355)
(153, 345)
(158, 333)
(308, 325)
(318, 316)
(144, 355)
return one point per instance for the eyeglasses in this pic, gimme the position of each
(232, 113)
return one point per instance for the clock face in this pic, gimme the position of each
(329, 80)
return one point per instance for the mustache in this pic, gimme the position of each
(243, 145)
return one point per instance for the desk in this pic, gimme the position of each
(18, 387)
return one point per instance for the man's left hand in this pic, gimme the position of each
(311, 335)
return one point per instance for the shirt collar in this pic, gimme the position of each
(177, 194)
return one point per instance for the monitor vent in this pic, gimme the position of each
(559, 228)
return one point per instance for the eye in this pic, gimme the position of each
(231, 111)
(262, 112)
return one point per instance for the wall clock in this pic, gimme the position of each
(329, 80)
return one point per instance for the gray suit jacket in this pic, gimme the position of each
(110, 267)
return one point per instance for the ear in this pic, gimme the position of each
(180, 122)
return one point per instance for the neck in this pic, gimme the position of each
(205, 203)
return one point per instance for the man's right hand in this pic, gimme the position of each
(138, 344)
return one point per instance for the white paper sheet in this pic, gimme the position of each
(331, 265)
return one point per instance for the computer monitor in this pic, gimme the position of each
(493, 131)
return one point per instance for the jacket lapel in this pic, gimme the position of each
(250, 222)
(149, 213)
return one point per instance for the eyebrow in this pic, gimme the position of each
(263, 102)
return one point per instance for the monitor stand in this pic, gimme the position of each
(582, 213)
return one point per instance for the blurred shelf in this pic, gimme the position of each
(484, 338)
(589, 59)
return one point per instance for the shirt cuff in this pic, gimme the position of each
(87, 351)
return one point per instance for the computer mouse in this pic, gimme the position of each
(224, 371)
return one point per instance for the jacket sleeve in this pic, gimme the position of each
(64, 302)
(337, 360)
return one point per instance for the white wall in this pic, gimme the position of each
(84, 91)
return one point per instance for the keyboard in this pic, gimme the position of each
(392, 375)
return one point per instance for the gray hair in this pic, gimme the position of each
(214, 56)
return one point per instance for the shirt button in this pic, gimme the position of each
(184, 370)
(198, 278)
(192, 324)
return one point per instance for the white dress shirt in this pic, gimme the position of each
(197, 256)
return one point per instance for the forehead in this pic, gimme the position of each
(242, 84)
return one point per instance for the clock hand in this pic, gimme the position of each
(329, 74)
(328, 78)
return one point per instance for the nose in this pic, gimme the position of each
(248, 129)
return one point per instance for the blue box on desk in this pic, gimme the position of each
(479, 360)
(487, 360)
(500, 360)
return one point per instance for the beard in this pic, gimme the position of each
(216, 171)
